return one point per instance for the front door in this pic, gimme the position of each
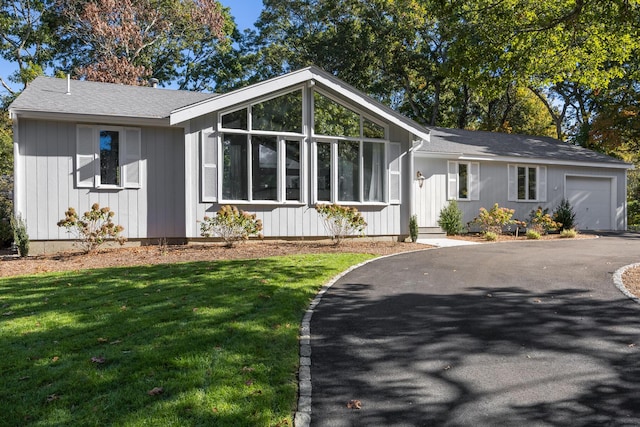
(429, 191)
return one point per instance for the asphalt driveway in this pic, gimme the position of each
(523, 333)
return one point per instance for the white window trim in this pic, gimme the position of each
(123, 160)
(395, 146)
(473, 180)
(541, 183)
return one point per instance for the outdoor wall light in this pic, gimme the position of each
(420, 178)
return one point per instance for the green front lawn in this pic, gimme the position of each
(203, 343)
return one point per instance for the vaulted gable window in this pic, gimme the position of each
(527, 183)
(108, 157)
(349, 154)
(261, 151)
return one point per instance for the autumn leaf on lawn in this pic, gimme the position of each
(102, 340)
(354, 404)
(98, 359)
(155, 391)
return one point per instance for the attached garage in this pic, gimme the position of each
(593, 200)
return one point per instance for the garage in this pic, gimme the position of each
(593, 201)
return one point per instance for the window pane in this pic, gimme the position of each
(281, 114)
(323, 180)
(109, 157)
(532, 184)
(235, 120)
(292, 166)
(373, 160)
(234, 176)
(463, 181)
(372, 130)
(522, 183)
(331, 118)
(348, 171)
(264, 161)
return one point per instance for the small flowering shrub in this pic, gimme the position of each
(541, 222)
(93, 228)
(494, 220)
(341, 221)
(232, 225)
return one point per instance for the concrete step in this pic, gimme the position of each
(431, 233)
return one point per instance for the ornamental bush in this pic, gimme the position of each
(20, 235)
(93, 228)
(541, 222)
(450, 219)
(564, 215)
(414, 230)
(232, 225)
(494, 220)
(341, 221)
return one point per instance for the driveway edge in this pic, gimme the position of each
(617, 279)
(302, 417)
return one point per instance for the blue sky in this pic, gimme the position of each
(245, 13)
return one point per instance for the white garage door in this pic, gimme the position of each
(591, 201)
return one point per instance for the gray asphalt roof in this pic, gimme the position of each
(48, 94)
(494, 144)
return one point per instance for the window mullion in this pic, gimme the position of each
(335, 182)
(249, 168)
(361, 168)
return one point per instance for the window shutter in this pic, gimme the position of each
(512, 183)
(474, 181)
(542, 183)
(86, 163)
(452, 181)
(209, 172)
(131, 160)
(395, 175)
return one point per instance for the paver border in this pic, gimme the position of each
(617, 279)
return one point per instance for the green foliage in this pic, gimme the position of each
(450, 219)
(533, 234)
(564, 215)
(232, 225)
(568, 233)
(6, 211)
(221, 338)
(20, 235)
(494, 220)
(94, 228)
(413, 228)
(341, 221)
(541, 222)
(491, 236)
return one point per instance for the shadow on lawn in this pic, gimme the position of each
(169, 326)
(481, 356)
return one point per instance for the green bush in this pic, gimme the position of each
(494, 220)
(94, 228)
(450, 219)
(341, 221)
(232, 225)
(569, 233)
(490, 236)
(533, 234)
(541, 222)
(564, 215)
(20, 235)
(413, 228)
(6, 213)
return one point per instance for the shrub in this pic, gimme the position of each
(20, 235)
(533, 234)
(94, 228)
(541, 222)
(494, 220)
(564, 215)
(6, 213)
(450, 219)
(341, 221)
(569, 233)
(413, 228)
(490, 236)
(232, 225)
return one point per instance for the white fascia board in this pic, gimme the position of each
(91, 118)
(523, 160)
(240, 96)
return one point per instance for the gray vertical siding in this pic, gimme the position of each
(46, 173)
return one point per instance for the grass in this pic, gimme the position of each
(220, 338)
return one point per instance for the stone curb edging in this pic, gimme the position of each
(303, 413)
(617, 279)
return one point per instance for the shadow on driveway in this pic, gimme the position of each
(421, 340)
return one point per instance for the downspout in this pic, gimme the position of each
(414, 147)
